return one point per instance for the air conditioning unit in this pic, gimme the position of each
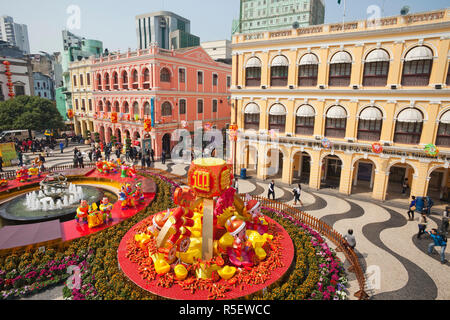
(355, 87)
(263, 87)
(291, 87)
(322, 86)
(438, 86)
(393, 87)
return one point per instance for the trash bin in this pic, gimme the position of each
(243, 173)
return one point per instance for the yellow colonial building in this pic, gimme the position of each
(347, 106)
(82, 98)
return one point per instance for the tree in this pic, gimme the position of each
(28, 112)
(97, 137)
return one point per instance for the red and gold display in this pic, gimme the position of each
(114, 117)
(209, 177)
(148, 125)
(9, 82)
(70, 114)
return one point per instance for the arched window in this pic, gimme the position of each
(304, 120)
(408, 128)
(279, 71)
(340, 69)
(336, 122)
(126, 108)
(376, 69)
(147, 109)
(100, 106)
(108, 106)
(253, 72)
(417, 67)
(135, 79)
(251, 116)
(182, 106)
(370, 123)
(307, 70)
(125, 80)
(164, 75)
(136, 110)
(116, 107)
(443, 134)
(99, 82)
(146, 78)
(277, 118)
(166, 109)
(107, 87)
(115, 81)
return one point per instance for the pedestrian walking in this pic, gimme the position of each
(148, 160)
(350, 238)
(80, 159)
(444, 223)
(61, 147)
(297, 194)
(152, 154)
(20, 157)
(163, 158)
(143, 161)
(439, 240)
(405, 185)
(422, 225)
(412, 208)
(429, 205)
(271, 190)
(90, 154)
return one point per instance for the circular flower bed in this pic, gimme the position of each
(317, 273)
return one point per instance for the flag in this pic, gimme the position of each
(339, 1)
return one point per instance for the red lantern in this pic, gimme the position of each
(147, 125)
(6, 63)
(70, 113)
(114, 117)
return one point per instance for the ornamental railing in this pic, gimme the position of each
(11, 174)
(326, 231)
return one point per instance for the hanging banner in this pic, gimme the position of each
(152, 111)
(147, 125)
(114, 117)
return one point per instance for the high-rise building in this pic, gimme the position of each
(219, 50)
(14, 33)
(166, 29)
(75, 49)
(266, 15)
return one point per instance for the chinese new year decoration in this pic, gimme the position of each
(431, 150)
(377, 148)
(326, 143)
(9, 83)
(70, 114)
(148, 125)
(233, 129)
(114, 117)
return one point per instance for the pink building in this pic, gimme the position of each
(185, 86)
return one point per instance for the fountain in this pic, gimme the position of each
(56, 198)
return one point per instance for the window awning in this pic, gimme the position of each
(253, 62)
(277, 110)
(337, 112)
(251, 108)
(341, 57)
(309, 59)
(419, 53)
(371, 113)
(446, 118)
(377, 55)
(280, 61)
(410, 115)
(306, 111)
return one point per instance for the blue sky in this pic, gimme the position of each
(113, 21)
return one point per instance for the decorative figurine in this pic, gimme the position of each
(124, 169)
(132, 173)
(139, 194)
(241, 253)
(254, 209)
(95, 217)
(106, 208)
(82, 212)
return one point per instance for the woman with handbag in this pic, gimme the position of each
(422, 225)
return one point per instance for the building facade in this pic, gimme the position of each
(43, 86)
(167, 29)
(186, 87)
(21, 77)
(82, 96)
(14, 33)
(267, 15)
(219, 50)
(75, 48)
(335, 97)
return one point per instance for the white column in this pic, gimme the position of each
(355, 172)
